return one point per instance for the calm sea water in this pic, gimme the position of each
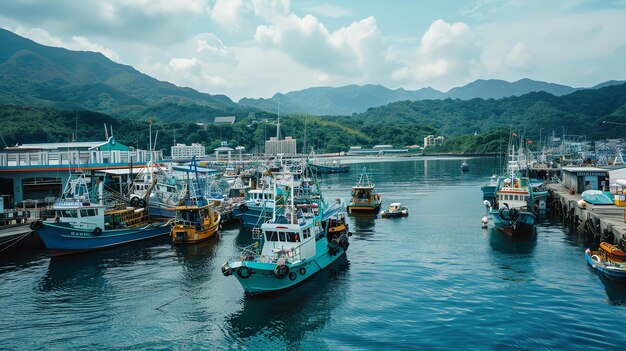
(434, 280)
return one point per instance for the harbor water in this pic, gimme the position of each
(434, 280)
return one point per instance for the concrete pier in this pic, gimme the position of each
(605, 223)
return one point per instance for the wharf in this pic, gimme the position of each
(605, 223)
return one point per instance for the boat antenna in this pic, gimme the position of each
(150, 138)
(106, 132)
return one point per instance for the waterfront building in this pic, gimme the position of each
(276, 146)
(39, 171)
(188, 151)
(432, 140)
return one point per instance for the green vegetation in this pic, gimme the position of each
(491, 141)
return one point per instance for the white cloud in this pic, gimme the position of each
(228, 14)
(77, 43)
(191, 65)
(83, 43)
(447, 53)
(328, 10)
(270, 9)
(519, 57)
(209, 42)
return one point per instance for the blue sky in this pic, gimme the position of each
(255, 48)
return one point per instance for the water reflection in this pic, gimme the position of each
(615, 291)
(363, 223)
(283, 320)
(512, 254)
(197, 259)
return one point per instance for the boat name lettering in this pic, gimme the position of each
(590, 174)
(80, 234)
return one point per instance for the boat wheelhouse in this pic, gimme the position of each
(364, 199)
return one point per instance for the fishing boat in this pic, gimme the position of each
(290, 248)
(608, 260)
(324, 166)
(165, 190)
(512, 210)
(464, 167)
(82, 225)
(196, 218)
(396, 209)
(364, 199)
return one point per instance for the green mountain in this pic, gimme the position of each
(351, 99)
(34, 74)
(579, 113)
(497, 89)
(338, 101)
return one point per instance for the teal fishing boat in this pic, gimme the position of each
(298, 242)
(512, 210)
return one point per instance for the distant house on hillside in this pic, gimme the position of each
(225, 119)
(432, 140)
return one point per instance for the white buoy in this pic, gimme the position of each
(485, 222)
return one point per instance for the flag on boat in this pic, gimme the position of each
(514, 134)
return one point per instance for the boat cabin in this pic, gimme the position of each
(78, 214)
(293, 242)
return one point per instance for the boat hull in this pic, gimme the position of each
(253, 216)
(60, 238)
(188, 235)
(258, 277)
(615, 274)
(363, 208)
(524, 223)
(328, 169)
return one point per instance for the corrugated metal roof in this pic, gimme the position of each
(225, 119)
(55, 146)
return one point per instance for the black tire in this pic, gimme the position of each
(281, 271)
(35, 225)
(513, 213)
(57, 219)
(244, 272)
(302, 271)
(141, 203)
(97, 231)
(226, 270)
(293, 276)
(243, 207)
(134, 202)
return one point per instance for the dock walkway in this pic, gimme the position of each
(607, 222)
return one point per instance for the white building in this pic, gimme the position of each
(188, 151)
(286, 147)
(432, 140)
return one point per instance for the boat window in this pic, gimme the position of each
(271, 236)
(281, 236)
(293, 237)
(92, 212)
(69, 213)
(83, 213)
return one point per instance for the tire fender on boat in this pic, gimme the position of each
(595, 258)
(35, 225)
(226, 270)
(302, 271)
(97, 231)
(281, 271)
(244, 272)
(292, 276)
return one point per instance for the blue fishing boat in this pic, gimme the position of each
(290, 248)
(82, 225)
(608, 260)
(512, 210)
(257, 208)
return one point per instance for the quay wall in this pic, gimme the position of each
(599, 223)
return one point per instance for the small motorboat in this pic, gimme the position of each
(596, 197)
(608, 260)
(464, 167)
(396, 210)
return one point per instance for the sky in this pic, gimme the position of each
(256, 48)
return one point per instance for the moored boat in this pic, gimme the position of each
(364, 199)
(290, 249)
(608, 260)
(82, 225)
(196, 220)
(464, 167)
(396, 209)
(511, 211)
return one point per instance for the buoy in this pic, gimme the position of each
(485, 222)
